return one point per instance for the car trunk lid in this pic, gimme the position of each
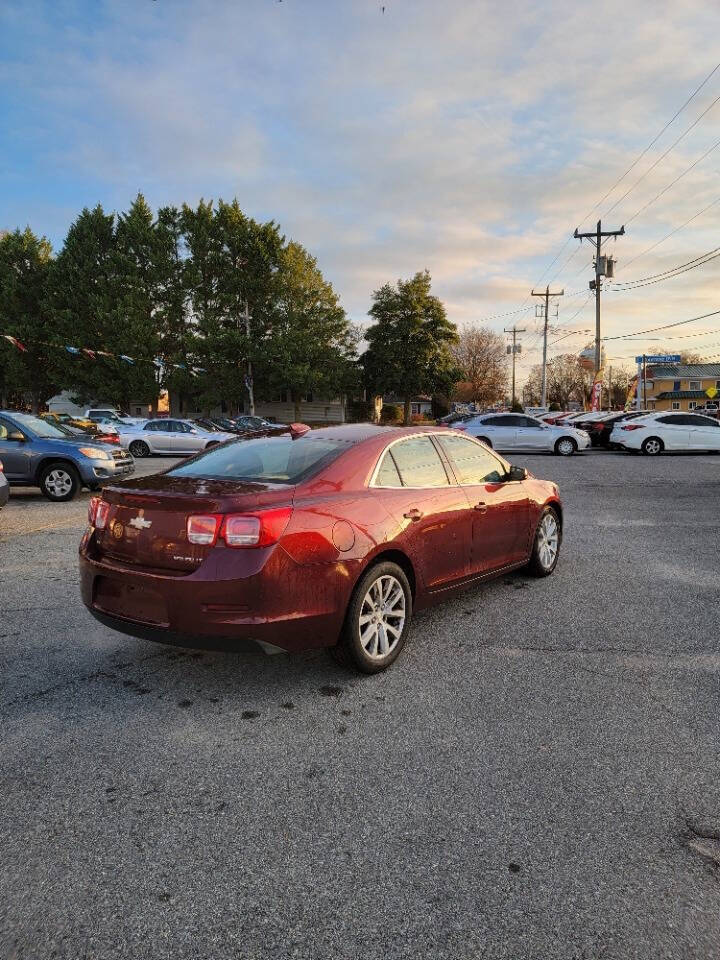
(147, 521)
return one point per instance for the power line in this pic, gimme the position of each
(673, 182)
(672, 233)
(667, 274)
(652, 142)
(663, 155)
(679, 323)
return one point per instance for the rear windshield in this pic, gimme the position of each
(269, 459)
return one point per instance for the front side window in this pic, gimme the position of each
(419, 463)
(506, 420)
(41, 428)
(672, 421)
(277, 459)
(530, 422)
(697, 420)
(472, 463)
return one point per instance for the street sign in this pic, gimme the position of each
(660, 358)
(711, 392)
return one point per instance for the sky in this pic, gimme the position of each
(469, 138)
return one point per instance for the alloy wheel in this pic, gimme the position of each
(58, 483)
(382, 617)
(566, 447)
(548, 540)
(652, 447)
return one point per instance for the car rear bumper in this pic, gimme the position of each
(284, 604)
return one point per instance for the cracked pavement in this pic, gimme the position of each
(537, 777)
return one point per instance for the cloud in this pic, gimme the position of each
(468, 138)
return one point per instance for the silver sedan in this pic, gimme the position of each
(169, 436)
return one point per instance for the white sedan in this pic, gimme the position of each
(655, 432)
(165, 435)
(518, 431)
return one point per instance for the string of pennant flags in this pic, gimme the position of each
(94, 354)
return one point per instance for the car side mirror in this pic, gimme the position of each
(16, 436)
(517, 473)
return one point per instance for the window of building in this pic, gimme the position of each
(695, 385)
(692, 404)
(676, 384)
(675, 405)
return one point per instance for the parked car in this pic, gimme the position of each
(602, 430)
(324, 538)
(247, 423)
(517, 431)
(4, 487)
(38, 453)
(90, 430)
(80, 423)
(452, 418)
(170, 436)
(109, 414)
(654, 433)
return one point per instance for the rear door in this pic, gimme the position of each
(499, 508)
(430, 508)
(674, 431)
(161, 435)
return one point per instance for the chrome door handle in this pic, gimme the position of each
(481, 507)
(413, 514)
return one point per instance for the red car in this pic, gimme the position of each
(323, 538)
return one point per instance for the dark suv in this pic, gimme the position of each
(36, 453)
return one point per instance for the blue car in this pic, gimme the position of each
(35, 453)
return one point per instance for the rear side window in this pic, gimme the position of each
(419, 463)
(506, 420)
(265, 459)
(387, 475)
(471, 462)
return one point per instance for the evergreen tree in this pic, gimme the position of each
(25, 263)
(409, 344)
(311, 347)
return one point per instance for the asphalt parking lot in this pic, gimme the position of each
(537, 777)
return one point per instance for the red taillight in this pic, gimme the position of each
(1, 466)
(109, 438)
(633, 426)
(203, 529)
(98, 510)
(260, 529)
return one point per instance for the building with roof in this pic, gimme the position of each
(681, 386)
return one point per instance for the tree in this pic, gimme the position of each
(567, 381)
(310, 348)
(25, 262)
(409, 344)
(480, 354)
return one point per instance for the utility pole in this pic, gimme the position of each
(249, 372)
(609, 387)
(515, 349)
(603, 268)
(547, 296)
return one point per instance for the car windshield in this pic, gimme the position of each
(41, 428)
(267, 459)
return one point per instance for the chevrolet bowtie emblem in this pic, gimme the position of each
(140, 523)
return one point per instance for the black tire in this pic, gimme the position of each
(652, 446)
(485, 441)
(213, 443)
(59, 482)
(565, 447)
(538, 565)
(350, 650)
(139, 449)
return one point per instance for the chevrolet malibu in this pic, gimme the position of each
(323, 538)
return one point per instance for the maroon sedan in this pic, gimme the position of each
(323, 538)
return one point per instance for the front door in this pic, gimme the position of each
(430, 509)
(531, 434)
(499, 507)
(704, 432)
(16, 457)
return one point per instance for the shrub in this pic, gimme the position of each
(554, 406)
(391, 413)
(359, 411)
(517, 408)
